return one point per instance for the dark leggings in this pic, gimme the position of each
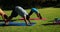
(31, 12)
(14, 13)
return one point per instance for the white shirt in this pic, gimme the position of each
(21, 11)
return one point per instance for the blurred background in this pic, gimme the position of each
(10, 4)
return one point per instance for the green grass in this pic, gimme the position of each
(49, 13)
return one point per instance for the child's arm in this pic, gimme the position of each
(25, 19)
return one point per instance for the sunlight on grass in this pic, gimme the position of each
(49, 13)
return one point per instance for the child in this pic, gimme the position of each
(36, 11)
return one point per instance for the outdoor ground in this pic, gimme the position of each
(49, 13)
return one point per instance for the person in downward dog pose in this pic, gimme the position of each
(34, 10)
(19, 11)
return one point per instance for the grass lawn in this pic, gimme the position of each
(49, 13)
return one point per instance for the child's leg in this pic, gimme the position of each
(31, 12)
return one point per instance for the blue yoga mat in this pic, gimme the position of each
(16, 24)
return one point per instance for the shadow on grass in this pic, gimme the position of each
(52, 24)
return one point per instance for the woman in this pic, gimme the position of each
(3, 14)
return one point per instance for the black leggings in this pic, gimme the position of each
(14, 13)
